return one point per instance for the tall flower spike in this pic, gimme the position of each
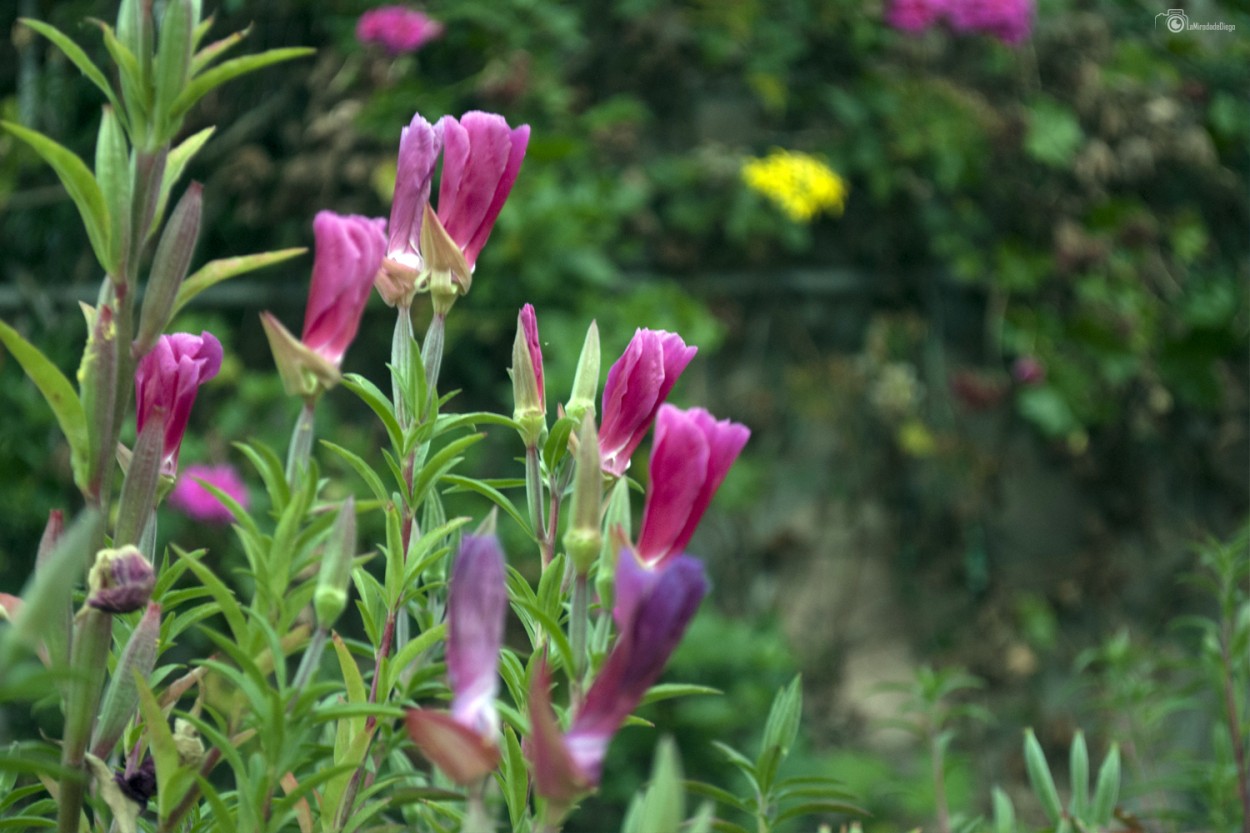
(464, 743)
(419, 147)
(349, 251)
(690, 457)
(637, 385)
(662, 604)
(166, 382)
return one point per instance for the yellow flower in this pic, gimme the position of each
(799, 183)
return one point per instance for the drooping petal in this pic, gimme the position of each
(419, 147)
(476, 606)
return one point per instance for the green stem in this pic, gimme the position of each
(477, 819)
(939, 785)
(88, 663)
(401, 360)
(579, 623)
(432, 354)
(308, 664)
(534, 496)
(300, 450)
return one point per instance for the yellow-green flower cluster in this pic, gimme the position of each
(799, 183)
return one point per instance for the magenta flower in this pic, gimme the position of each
(1007, 20)
(914, 16)
(637, 385)
(166, 382)
(349, 250)
(193, 500)
(464, 743)
(481, 159)
(419, 147)
(1028, 370)
(397, 29)
(664, 600)
(690, 457)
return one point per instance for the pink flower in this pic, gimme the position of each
(1007, 20)
(349, 250)
(664, 601)
(1027, 370)
(166, 382)
(397, 29)
(193, 500)
(481, 159)
(464, 743)
(419, 147)
(528, 322)
(690, 457)
(637, 385)
(914, 15)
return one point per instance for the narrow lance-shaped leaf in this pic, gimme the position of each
(133, 74)
(173, 66)
(112, 168)
(79, 183)
(1040, 777)
(97, 385)
(216, 49)
(1078, 769)
(56, 390)
(1107, 791)
(77, 56)
(215, 77)
(216, 271)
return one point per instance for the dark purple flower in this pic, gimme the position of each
(637, 386)
(166, 382)
(397, 29)
(121, 580)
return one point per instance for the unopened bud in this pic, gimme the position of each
(96, 381)
(330, 598)
(586, 379)
(169, 268)
(530, 409)
(121, 580)
(583, 539)
(122, 697)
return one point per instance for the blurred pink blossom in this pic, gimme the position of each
(397, 29)
(1028, 370)
(914, 15)
(1010, 21)
(197, 503)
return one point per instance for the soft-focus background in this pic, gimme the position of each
(996, 400)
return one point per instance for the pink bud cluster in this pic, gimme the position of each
(1010, 21)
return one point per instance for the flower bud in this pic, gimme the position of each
(122, 697)
(121, 580)
(96, 382)
(169, 268)
(187, 742)
(583, 539)
(586, 379)
(330, 598)
(530, 408)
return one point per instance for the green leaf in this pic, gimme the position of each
(369, 393)
(1004, 813)
(513, 777)
(1054, 134)
(206, 81)
(216, 49)
(557, 446)
(135, 92)
(216, 271)
(173, 66)
(81, 186)
(221, 594)
(161, 742)
(667, 691)
(1040, 777)
(1107, 791)
(1078, 768)
(439, 464)
(175, 164)
(469, 484)
(817, 808)
(78, 57)
(112, 167)
(58, 393)
(361, 468)
(782, 726)
(721, 796)
(410, 651)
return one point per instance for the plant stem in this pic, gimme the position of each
(534, 495)
(308, 664)
(1234, 725)
(477, 819)
(432, 354)
(88, 663)
(401, 360)
(579, 621)
(300, 451)
(939, 784)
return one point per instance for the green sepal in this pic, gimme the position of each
(59, 395)
(215, 77)
(81, 186)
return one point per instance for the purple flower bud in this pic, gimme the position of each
(397, 29)
(528, 394)
(197, 503)
(481, 159)
(690, 457)
(464, 744)
(166, 382)
(349, 251)
(121, 580)
(1027, 370)
(419, 147)
(138, 783)
(637, 385)
(662, 603)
